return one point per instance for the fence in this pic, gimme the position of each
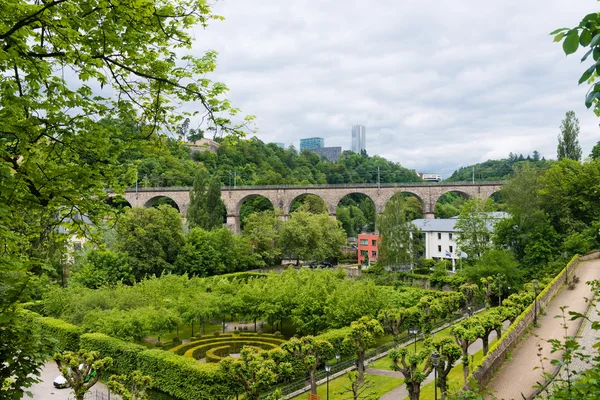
(98, 395)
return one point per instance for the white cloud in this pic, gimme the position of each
(438, 84)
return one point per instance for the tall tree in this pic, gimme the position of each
(414, 367)
(475, 227)
(399, 238)
(214, 204)
(310, 351)
(568, 140)
(449, 354)
(197, 213)
(361, 337)
(465, 333)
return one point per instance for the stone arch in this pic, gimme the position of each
(118, 202)
(240, 203)
(381, 206)
(242, 213)
(444, 194)
(370, 222)
(288, 207)
(151, 202)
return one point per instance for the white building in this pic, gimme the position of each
(440, 236)
(359, 140)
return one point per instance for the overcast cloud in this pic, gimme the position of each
(438, 84)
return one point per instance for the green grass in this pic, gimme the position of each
(381, 385)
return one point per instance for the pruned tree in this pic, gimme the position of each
(81, 369)
(396, 320)
(361, 337)
(359, 390)
(414, 367)
(449, 353)
(311, 352)
(489, 322)
(130, 386)
(470, 292)
(465, 333)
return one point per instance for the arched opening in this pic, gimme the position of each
(118, 202)
(498, 201)
(413, 206)
(252, 204)
(356, 212)
(162, 200)
(309, 202)
(448, 205)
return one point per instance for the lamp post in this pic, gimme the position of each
(535, 288)
(435, 361)
(327, 369)
(414, 331)
(337, 357)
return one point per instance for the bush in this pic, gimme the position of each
(236, 332)
(159, 344)
(199, 350)
(278, 334)
(176, 341)
(124, 354)
(67, 335)
(184, 348)
(217, 333)
(216, 354)
(259, 333)
(185, 378)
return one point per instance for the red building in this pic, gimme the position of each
(367, 247)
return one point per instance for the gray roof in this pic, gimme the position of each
(447, 225)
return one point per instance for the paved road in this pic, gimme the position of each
(401, 392)
(517, 376)
(44, 390)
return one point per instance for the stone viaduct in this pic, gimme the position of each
(283, 196)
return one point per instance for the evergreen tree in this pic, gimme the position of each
(536, 155)
(214, 204)
(568, 142)
(197, 214)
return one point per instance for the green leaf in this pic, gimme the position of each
(586, 55)
(596, 53)
(595, 40)
(571, 43)
(586, 75)
(559, 37)
(591, 17)
(589, 100)
(585, 38)
(554, 32)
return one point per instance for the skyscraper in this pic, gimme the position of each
(359, 141)
(312, 143)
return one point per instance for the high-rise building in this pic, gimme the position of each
(330, 153)
(359, 141)
(312, 143)
(279, 144)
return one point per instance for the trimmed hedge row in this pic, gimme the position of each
(184, 348)
(200, 351)
(125, 355)
(66, 334)
(216, 354)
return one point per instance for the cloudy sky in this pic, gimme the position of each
(438, 84)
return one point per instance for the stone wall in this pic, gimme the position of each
(508, 341)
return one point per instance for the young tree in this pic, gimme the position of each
(475, 227)
(130, 387)
(400, 240)
(465, 333)
(449, 353)
(361, 337)
(311, 352)
(254, 372)
(568, 140)
(359, 390)
(470, 292)
(489, 322)
(81, 369)
(396, 320)
(414, 367)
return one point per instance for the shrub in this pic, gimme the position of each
(216, 354)
(159, 344)
(259, 333)
(66, 334)
(236, 332)
(176, 340)
(278, 334)
(217, 333)
(124, 354)
(199, 350)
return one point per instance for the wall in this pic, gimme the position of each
(509, 339)
(369, 247)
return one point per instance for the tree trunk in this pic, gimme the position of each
(486, 343)
(313, 381)
(192, 329)
(466, 370)
(414, 390)
(443, 384)
(498, 333)
(361, 368)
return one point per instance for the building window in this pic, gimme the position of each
(450, 249)
(364, 253)
(439, 249)
(439, 236)
(374, 253)
(373, 242)
(364, 242)
(450, 236)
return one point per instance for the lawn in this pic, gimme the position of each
(381, 385)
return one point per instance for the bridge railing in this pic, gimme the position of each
(327, 186)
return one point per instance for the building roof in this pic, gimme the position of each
(447, 225)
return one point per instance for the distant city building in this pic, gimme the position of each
(312, 143)
(367, 248)
(330, 153)
(279, 144)
(426, 176)
(359, 141)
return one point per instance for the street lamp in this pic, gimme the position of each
(337, 357)
(535, 288)
(435, 361)
(414, 331)
(327, 369)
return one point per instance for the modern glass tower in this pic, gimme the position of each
(359, 141)
(312, 143)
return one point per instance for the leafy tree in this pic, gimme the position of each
(361, 337)
(449, 353)
(399, 238)
(414, 367)
(358, 389)
(81, 369)
(103, 267)
(309, 203)
(254, 372)
(568, 141)
(151, 237)
(206, 209)
(488, 267)
(130, 387)
(489, 322)
(311, 352)
(465, 333)
(474, 227)
(397, 320)
(262, 229)
(471, 292)
(310, 236)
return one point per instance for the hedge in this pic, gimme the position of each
(199, 351)
(336, 337)
(36, 306)
(124, 354)
(184, 378)
(182, 349)
(66, 334)
(216, 354)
